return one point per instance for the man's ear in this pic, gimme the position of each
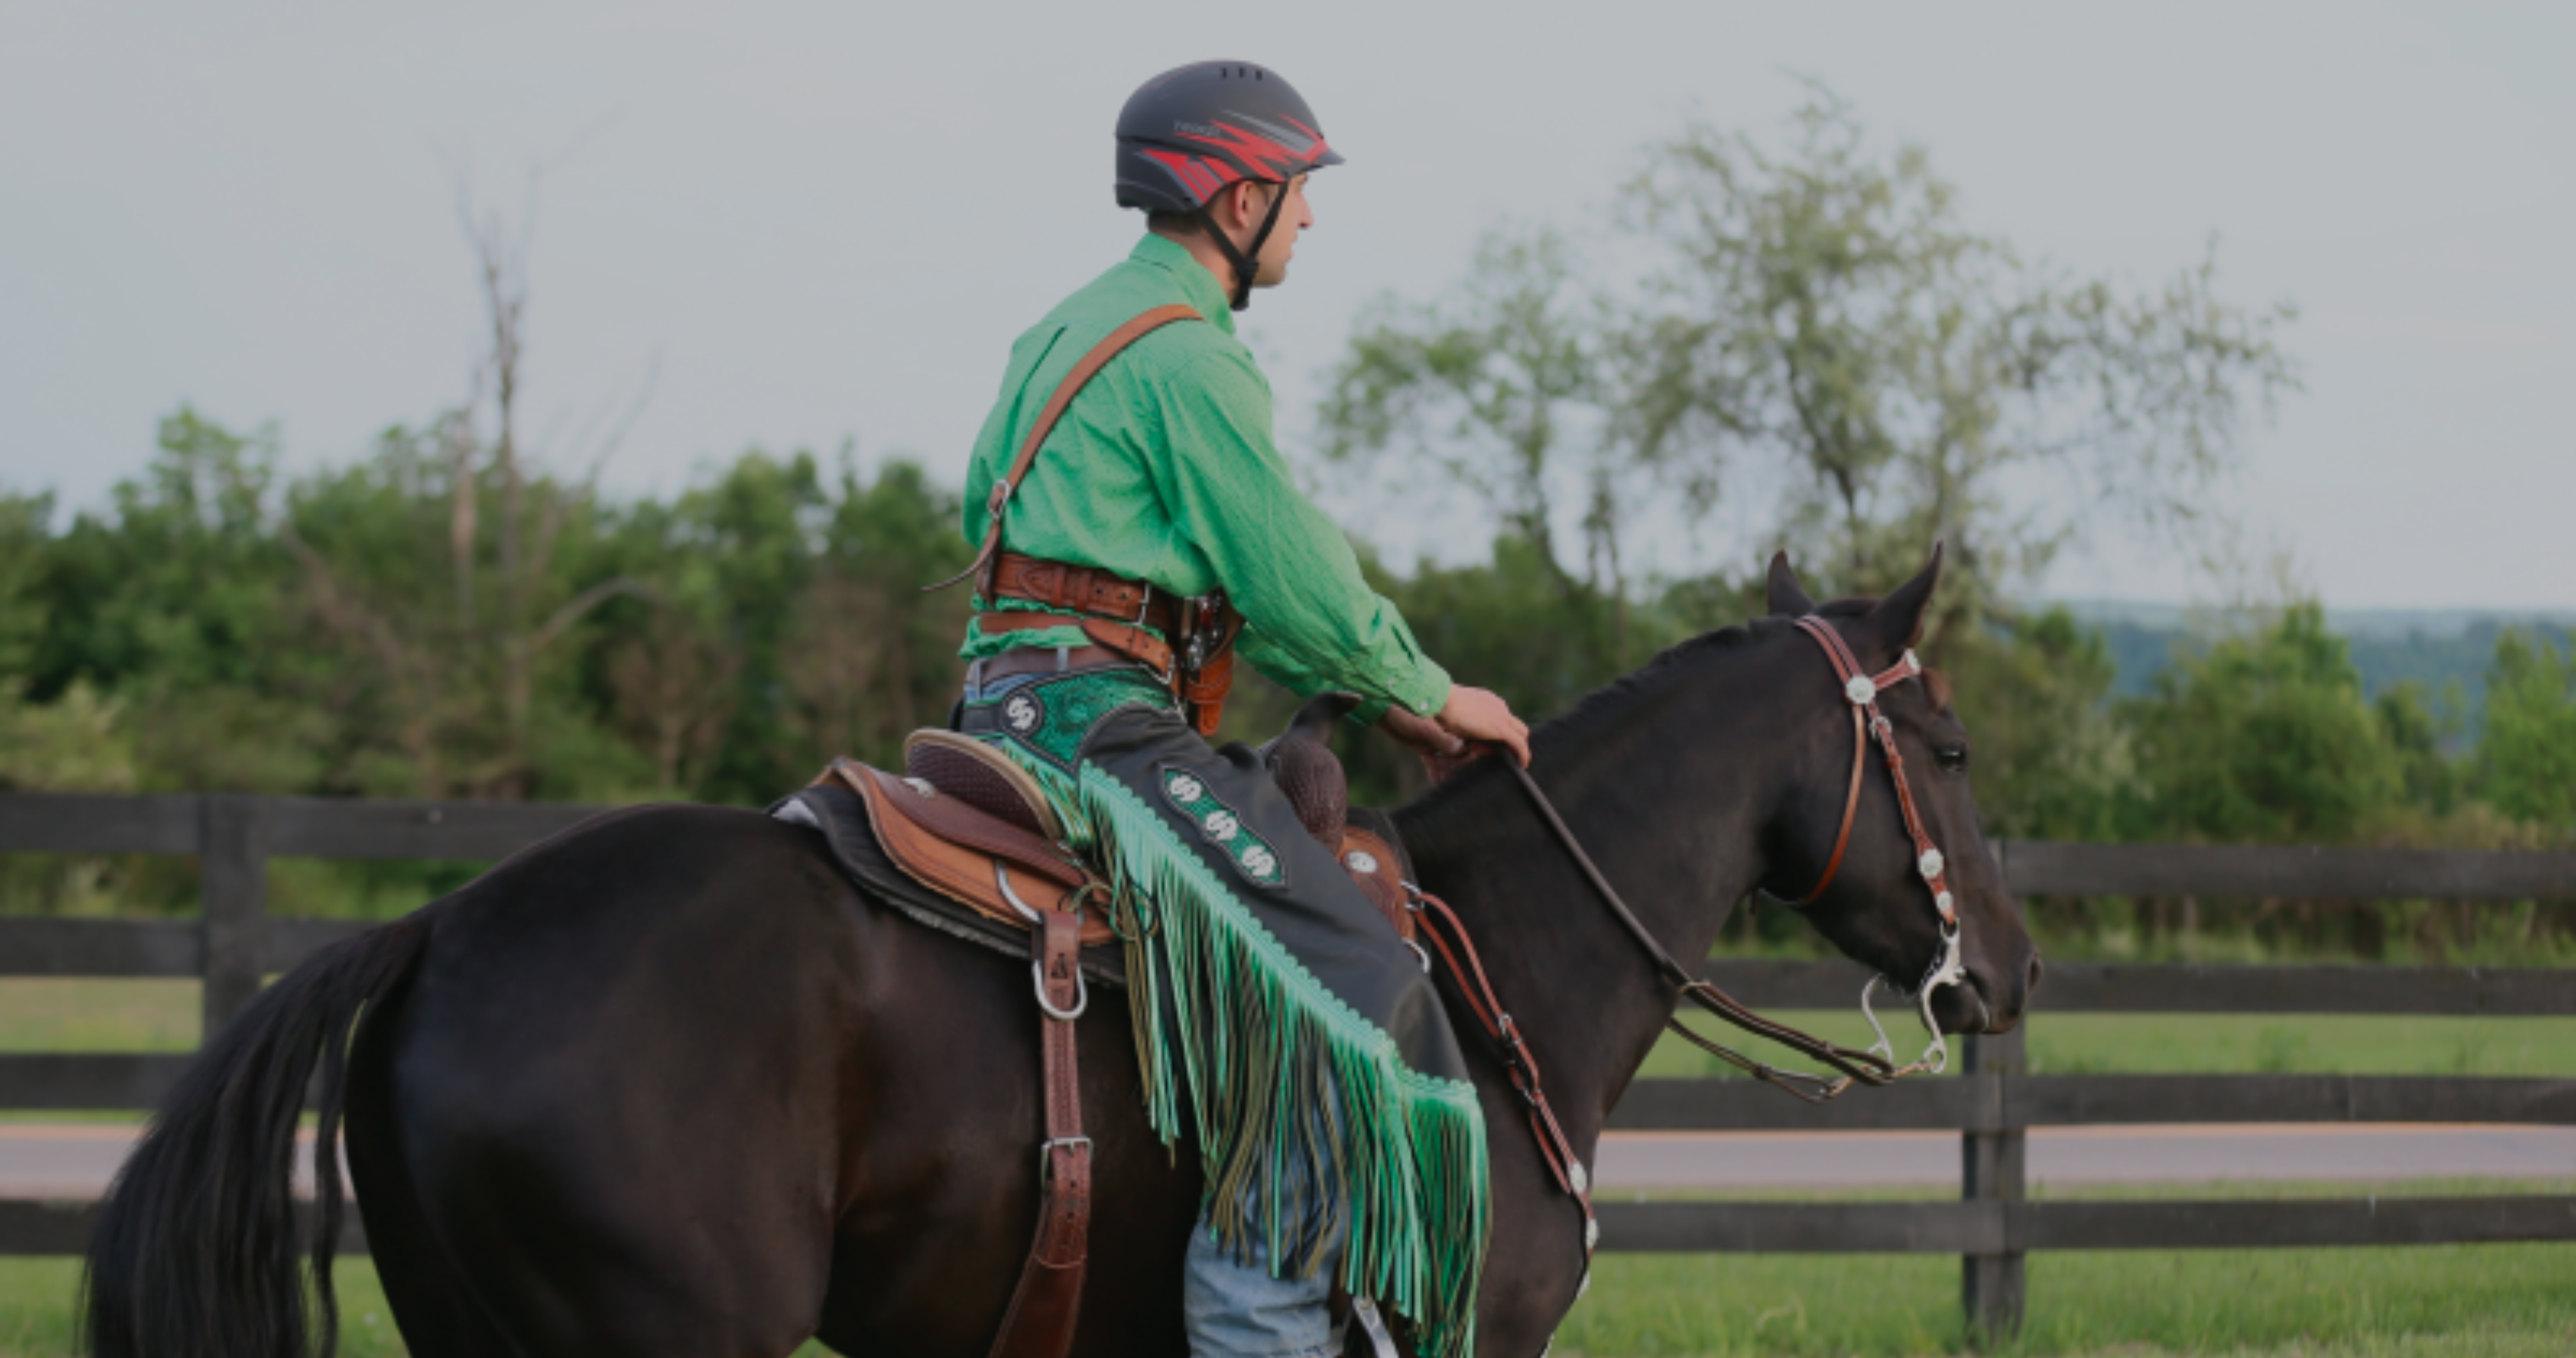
(1896, 622)
(1783, 595)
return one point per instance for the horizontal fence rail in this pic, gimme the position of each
(1992, 1104)
(1992, 1227)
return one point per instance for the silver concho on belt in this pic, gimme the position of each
(1022, 712)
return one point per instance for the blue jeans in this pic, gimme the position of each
(1237, 1310)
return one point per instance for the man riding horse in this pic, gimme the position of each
(689, 1080)
(1138, 525)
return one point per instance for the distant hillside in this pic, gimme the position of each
(2434, 647)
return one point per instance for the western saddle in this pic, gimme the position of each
(969, 824)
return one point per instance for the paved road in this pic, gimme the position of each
(75, 1161)
(2092, 1155)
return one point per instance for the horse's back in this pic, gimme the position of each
(671, 1074)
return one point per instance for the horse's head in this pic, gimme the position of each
(1878, 902)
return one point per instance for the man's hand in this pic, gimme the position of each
(1481, 714)
(1473, 714)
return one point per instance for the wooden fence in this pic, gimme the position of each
(1991, 1104)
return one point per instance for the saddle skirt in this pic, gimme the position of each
(977, 832)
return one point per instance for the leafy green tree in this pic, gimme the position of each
(2266, 739)
(2526, 754)
(2051, 760)
(1819, 306)
(1807, 316)
(176, 603)
(1478, 390)
(24, 538)
(2419, 728)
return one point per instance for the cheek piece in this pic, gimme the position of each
(1949, 966)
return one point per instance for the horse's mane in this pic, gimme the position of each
(1686, 657)
(1687, 660)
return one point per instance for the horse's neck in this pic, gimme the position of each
(1664, 784)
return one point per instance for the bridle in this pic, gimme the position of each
(1875, 1066)
(1948, 966)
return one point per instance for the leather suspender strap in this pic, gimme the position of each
(999, 502)
(1048, 1301)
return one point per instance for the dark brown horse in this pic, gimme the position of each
(667, 1084)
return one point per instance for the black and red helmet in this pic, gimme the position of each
(1195, 129)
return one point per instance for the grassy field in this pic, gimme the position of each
(2470, 1299)
(2464, 1301)
(2354, 1044)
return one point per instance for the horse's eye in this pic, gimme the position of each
(1952, 758)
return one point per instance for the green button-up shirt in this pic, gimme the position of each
(1163, 470)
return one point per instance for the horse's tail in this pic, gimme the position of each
(195, 1254)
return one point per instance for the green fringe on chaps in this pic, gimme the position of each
(1296, 1092)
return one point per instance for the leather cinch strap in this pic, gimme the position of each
(1048, 1301)
(999, 502)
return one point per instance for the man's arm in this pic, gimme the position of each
(1312, 621)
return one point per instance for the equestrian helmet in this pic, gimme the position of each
(1192, 130)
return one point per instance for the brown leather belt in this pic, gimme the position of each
(1040, 659)
(1084, 589)
(1117, 638)
(1114, 612)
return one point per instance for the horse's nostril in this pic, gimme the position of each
(2031, 983)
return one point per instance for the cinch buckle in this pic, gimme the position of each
(1046, 1167)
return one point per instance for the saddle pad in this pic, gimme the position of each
(837, 814)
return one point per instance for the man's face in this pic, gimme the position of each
(1295, 216)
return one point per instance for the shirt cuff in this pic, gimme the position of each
(1423, 698)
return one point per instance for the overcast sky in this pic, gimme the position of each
(829, 221)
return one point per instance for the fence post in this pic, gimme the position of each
(232, 893)
(1991, 1169)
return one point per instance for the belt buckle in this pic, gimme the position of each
(1144, 604)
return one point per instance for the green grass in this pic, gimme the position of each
(2438, 1300)
(2459, 1301)
(2356, 1044)
(36, 1310)
(86, 1014)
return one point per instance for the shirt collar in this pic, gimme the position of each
(1198, 287)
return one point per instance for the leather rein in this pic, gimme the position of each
(1876, 1066)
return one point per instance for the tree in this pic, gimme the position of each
(1809, 312)
(2526, 753)
(1478, 389)
(2266, 739)
(174, 602)
(2051, 759)
(1819, 306)
(468, 651)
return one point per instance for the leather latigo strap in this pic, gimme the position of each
(998, 503)
(1047, 1304)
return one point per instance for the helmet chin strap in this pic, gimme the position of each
(1246, 263)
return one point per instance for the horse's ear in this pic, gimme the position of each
(1897, 620)
(1785, 597)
